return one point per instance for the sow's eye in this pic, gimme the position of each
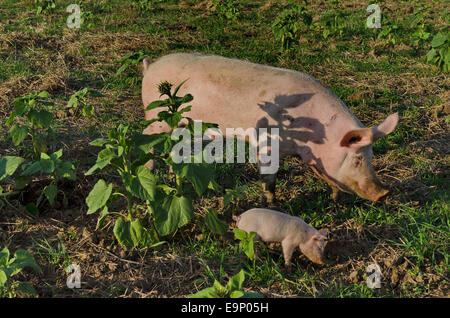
(357, 161)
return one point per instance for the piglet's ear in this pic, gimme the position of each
(386, 127)
(319, 237)
(357, 138)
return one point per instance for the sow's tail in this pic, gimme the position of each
(146, 62)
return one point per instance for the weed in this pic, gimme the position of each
(439, 53)
(10, 267)
(287, 25)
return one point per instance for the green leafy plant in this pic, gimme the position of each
(439, 54)
(331, 23)
(287, 26)
(170, 205)
(132, 58)
(213, 222)
(420, 35)
(8, 166)
(45, 5)
(233, 289)
(78, 102)
(32, 117)
(246, 243)
(145, 5)
(10, 267)
(388, 34)
(229, 9)
(232, 196)
(137, 182)
(51, 166)
(55, 169)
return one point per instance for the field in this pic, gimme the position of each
(376, 72)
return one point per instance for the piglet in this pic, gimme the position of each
(290, 231)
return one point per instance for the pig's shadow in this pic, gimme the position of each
(294, 132)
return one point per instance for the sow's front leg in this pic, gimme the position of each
(268, 184)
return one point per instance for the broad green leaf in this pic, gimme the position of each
(18, 134)
(41, 118)
(214, 223)
(236, 294)
(57, 154)
(32, 168)
(430, 55)
(199, 175)
(438, 40)
(4, 256)
(185, 99)
(186, 109)
(50, 192)
(236, 282)
(143, 185)
(91, 170)
(8, 165)
(209, 292)
(105, 157)
(43, 94)
(239, 234)
(22, 259)
(3, 278)
(173, 212)
(147, 181)
(129, 234)
(20, 106)
(172, 119)
(47, 165)
(99, 142)
(98, 196)
(158, 103)
(221, 290)
(32, 209)
(145, 143)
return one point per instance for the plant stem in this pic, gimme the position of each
(9, 193)
(129, 205)
(179, 184)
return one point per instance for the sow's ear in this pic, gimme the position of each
(357, 138)
(386, 127)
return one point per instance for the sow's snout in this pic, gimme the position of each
(371, 189)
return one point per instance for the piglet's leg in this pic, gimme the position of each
(288, 250)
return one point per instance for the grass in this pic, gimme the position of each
(407, 235)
